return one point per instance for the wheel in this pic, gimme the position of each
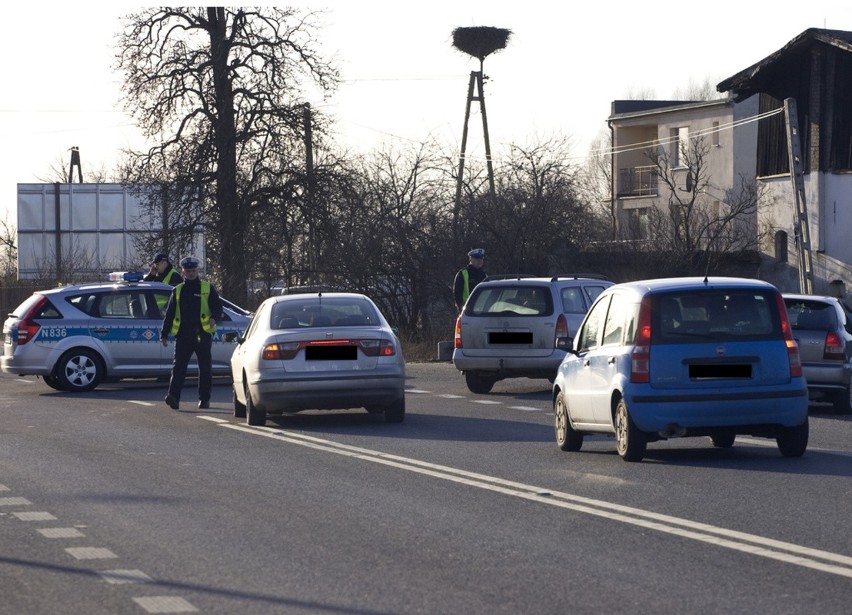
(566, 438)
(79, 370)
(723, 440)
(477, 383)
(629, 441)
(792, 441)
(239, 409)
(253, 415)
(395, 413)
(53, 382)
(843, 400)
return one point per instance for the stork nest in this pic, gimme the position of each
(480, 41)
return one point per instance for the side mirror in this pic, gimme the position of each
(565, 343)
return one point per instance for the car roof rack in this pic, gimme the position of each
(576, 276)
(510, 276)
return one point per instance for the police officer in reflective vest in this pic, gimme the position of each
(162, 270)
(467, 278)
(194, 307)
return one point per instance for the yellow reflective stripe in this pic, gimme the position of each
(466, 290)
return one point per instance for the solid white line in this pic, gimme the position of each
(807, 557)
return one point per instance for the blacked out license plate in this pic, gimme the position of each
(331, 353)
(508, 337)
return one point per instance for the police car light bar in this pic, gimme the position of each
(126, 276)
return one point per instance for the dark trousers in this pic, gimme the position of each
(185, 346)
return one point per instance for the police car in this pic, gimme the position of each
(76, 337)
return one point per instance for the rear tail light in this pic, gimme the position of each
(27, 327)
(640, 358)
(835, 347)
(378, 348)
(283, 351)
(561, 331)
(792, 347)
(458, 339)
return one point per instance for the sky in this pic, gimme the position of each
(403, 82)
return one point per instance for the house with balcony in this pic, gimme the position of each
(665, 149)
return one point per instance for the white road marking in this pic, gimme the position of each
(487, 402)
(790, 553)
(4, 488)
(417, 391)
(14, 502)
(34, 516)
(90, 553)
(141, 403)
(214, 419)
(120, 577)
(450, 396)
(165, 604)
(61, 532)
(526, 408)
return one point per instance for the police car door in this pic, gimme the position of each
(127, 322)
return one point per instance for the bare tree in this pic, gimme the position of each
(220, 92)
(701, 219)
(699, 90)
(60, 171)
(594, 181)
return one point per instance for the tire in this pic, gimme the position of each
(478, 384)
(566, 438)
(254, 416)
(629, 441)
(723, 440)
(53, 382)
(239, 409)
(395, 413)
(79, 370)
(843, 400)
(792, 441)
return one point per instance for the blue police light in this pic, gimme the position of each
(126, 276)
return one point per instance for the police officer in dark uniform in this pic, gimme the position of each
(467, 278)
(162, 270)
(191, 315)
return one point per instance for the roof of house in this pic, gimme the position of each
(633, 108)
(757, 77)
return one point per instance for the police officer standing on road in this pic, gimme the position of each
(194, 307)
(468, 277)
(162, 270)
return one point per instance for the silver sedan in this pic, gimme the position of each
(318, 351)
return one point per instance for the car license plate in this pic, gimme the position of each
(505, 337)
(331, 353)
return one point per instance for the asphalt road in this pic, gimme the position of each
(110, 502)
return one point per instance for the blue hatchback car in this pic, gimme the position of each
(679, 357)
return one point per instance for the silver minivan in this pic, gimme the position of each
(518, 326)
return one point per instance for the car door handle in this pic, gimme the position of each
(100, 330)
(586, 363)
(611, 361)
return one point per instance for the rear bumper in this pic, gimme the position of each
(544, 367)
(655, 412)
(297, 392)
(822, 376)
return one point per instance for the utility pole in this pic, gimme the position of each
(75, 162)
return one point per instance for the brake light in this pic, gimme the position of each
(378, 348)
(561, 329)
(458, 339)
(792, 347)
(27, 327)
(640, 358)
(283, 351)
(835, 347)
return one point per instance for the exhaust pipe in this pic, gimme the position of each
(673, 430)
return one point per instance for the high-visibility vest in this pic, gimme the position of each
(209, 327)
(172, 271)
(466, 289)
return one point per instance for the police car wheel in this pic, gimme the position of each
(53, 382)
(79, 370)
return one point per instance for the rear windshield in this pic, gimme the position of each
(326, 312)
(716, 315)
(516, 300)
(815, 315)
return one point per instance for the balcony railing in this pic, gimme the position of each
(637, 181)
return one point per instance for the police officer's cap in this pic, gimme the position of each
(159, 258)
(190, 262)
(477, 253)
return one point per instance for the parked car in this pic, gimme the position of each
(682, 357)
(77, 336)
(318, 351)
(517, 326)
(822, 330)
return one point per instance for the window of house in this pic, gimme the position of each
(637, 224)
(679, 142)
(781, 246)
(715, 138)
